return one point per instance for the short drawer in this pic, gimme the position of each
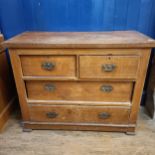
(80, 91)
(79, 114)
(109, 66)
(59, 66)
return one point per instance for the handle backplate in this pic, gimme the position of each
(106, 88)
(108, 67)
(49, 87)
(51, 114)
(104, 115)
(48, 66)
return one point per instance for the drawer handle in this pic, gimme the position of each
(106, 88)
(108, 67)
(104, 115)
(48, 66)
(50, 87)
(51, 114)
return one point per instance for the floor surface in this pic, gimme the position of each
(47, 142)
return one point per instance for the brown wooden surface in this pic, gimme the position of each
(132, 65)
(79, 114)
(20, 85)
(79, 126)
(1, 40)
(80, 91)
(87, 103)
(6, 112)
(150, 93)
(64, 66)
(126, 66)
(138, 89)
(117, 39)
(80, 52)
(5, 82)
(7, 89)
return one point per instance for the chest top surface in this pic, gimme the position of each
(115, 39)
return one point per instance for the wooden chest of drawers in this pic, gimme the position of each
(80, 81)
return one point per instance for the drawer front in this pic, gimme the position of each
(80, 91)
(60, 66)
(77, 114)
(109, 66)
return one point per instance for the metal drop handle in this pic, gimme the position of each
(48, 66)
(104, 115)
(106, 88)
(108, 67)
(49, 87)
(51, 114)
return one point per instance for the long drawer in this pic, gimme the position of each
(57, 66)
(79, 114)
(80, 91)
(109, 66)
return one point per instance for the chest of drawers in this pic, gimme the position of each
(80, 81)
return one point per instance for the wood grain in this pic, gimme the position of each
(20, 85)
(1, 40)
(137, 93)
(125, 66)
(64, 66)
(79, 126)
(7, 95)
(6, 112)
(78, 52)
(80, 91)
(115, 39)
(87, 103)
(79, 114)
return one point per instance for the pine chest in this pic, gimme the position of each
(78, 80)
